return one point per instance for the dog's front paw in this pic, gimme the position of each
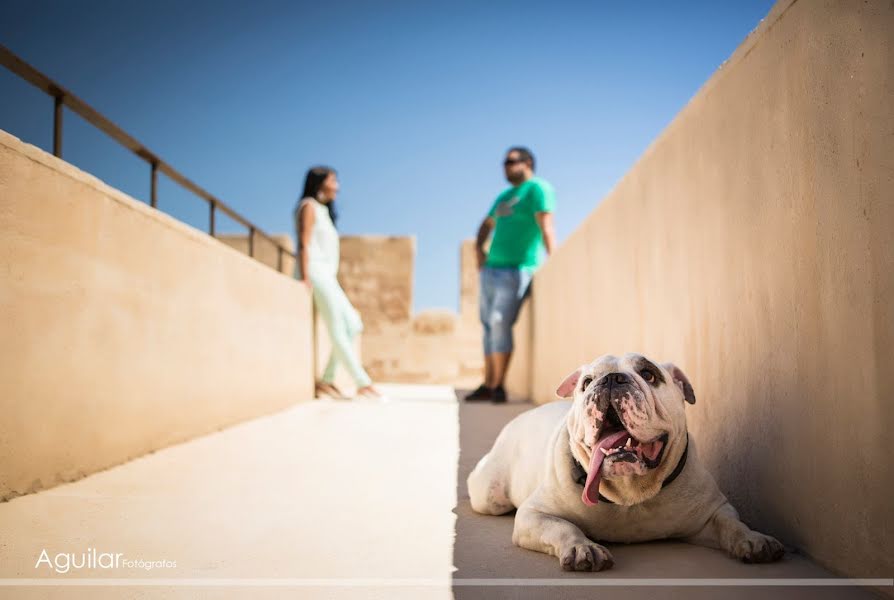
(586, 557)
(758, 548)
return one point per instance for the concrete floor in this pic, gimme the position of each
(327, 500)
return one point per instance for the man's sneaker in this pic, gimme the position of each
(498, 395)
(482, 393)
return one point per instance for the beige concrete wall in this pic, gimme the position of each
(468, 335)
(519, 376)
(469, 282)
(125, 330)
(267, 253)
(433, 346)
(752, 245)
(376, 273)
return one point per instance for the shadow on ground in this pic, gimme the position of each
(483, 548)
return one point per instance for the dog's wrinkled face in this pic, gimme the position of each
(625, 423)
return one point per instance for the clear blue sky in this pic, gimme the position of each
(414, 102)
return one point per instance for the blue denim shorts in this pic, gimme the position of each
(502, 292)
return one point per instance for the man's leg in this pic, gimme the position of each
(508, 298)
(489, 370)
(499, 362)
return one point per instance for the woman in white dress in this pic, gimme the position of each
(318, 255)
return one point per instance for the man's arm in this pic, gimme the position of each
(487, 225)
(545, 220)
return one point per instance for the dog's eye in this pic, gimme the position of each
(648, 375)
(586, 383)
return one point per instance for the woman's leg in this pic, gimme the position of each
(323, 298)
(331, 365)
(336, 311)
(354, 326)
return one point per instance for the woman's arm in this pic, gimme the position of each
(306, 219)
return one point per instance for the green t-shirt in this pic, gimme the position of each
(518, 241)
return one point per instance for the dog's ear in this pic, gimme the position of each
(682, 381)
(566, 388)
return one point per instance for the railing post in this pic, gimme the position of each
(279, 258)
(251, 242)
(57, 126)
(212, 205)
(153, 187)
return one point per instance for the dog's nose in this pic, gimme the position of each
(618, 378)
(613, 379)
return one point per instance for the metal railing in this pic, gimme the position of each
(65, 98)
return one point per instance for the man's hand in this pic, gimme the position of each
(487, 225)
(481, 256)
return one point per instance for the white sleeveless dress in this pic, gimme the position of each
(341, 318)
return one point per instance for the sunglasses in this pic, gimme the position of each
(512, 161)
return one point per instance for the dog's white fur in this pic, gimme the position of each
(530, 468)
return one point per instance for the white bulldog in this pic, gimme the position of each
(615, 464)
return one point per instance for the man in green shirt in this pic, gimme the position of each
(521, 220)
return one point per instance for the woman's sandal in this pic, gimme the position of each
(325, 389)
(370, 393)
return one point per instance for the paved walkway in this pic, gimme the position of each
(325, 500)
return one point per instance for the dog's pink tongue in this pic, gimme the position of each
(591, 487)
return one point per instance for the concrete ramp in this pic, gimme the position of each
(329, 499)
(328, 490)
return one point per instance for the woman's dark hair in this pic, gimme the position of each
(312, 183)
